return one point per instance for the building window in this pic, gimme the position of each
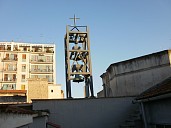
(7, 56)
(22, 87)
(25, 49)
(8, 87)
(24, 58)
(23, 67)
(23, 78)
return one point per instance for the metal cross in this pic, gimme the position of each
(74, 19)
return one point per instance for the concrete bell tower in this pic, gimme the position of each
(77, 58)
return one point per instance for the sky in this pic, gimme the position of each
(119, 29)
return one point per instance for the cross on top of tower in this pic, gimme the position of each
(75, 18)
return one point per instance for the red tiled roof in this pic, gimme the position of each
(162, 88)
(13, 91)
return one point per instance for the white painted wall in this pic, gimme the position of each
(54, 92)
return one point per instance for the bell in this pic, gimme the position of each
(78, 78)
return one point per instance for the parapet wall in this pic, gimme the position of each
(87, 113)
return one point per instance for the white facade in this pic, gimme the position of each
(55, 90)
(20, 61)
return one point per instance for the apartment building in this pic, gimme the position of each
(20, 61)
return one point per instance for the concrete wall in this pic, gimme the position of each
(158, 112)
(39, 122)
(131, 77)
(11, 120)
(87, 113)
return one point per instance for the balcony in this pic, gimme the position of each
(50, 81)
(8, 87)
(49, 51)
(7, 59)
(23, 70)
(41, 50)
(42, 61)
(37, 50)
(2, 48)
(9, 80)
(23, 80)
(10, 70)
(41, 71)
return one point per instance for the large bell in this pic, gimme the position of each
(78, 78)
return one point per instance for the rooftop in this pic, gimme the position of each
(26, 44)
(13, 91)
(14, 109)
(160, 89)
(144, 56)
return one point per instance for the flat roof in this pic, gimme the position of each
(25, 44)
(14, 109)
(96, 98)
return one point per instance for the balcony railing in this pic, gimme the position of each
(50, 80)
(42, 61)
(45, 51)
(23, 60)
(8, 87)
(10, 59)
(23, 70)
(49, 51)
(10, 69)
(23, 80)
(5, 49)
(41, 70)
(8, 80)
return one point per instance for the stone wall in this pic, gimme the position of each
(37, 89)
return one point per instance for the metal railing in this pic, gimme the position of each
(9, 59)
(42, 60)
(9, 69)
(41, 70)
(9, 80)
(46, 51)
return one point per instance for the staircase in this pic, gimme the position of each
(134, 120)
(52, 125)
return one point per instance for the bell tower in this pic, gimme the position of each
(78, 66)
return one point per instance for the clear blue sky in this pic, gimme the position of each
(119, 29)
